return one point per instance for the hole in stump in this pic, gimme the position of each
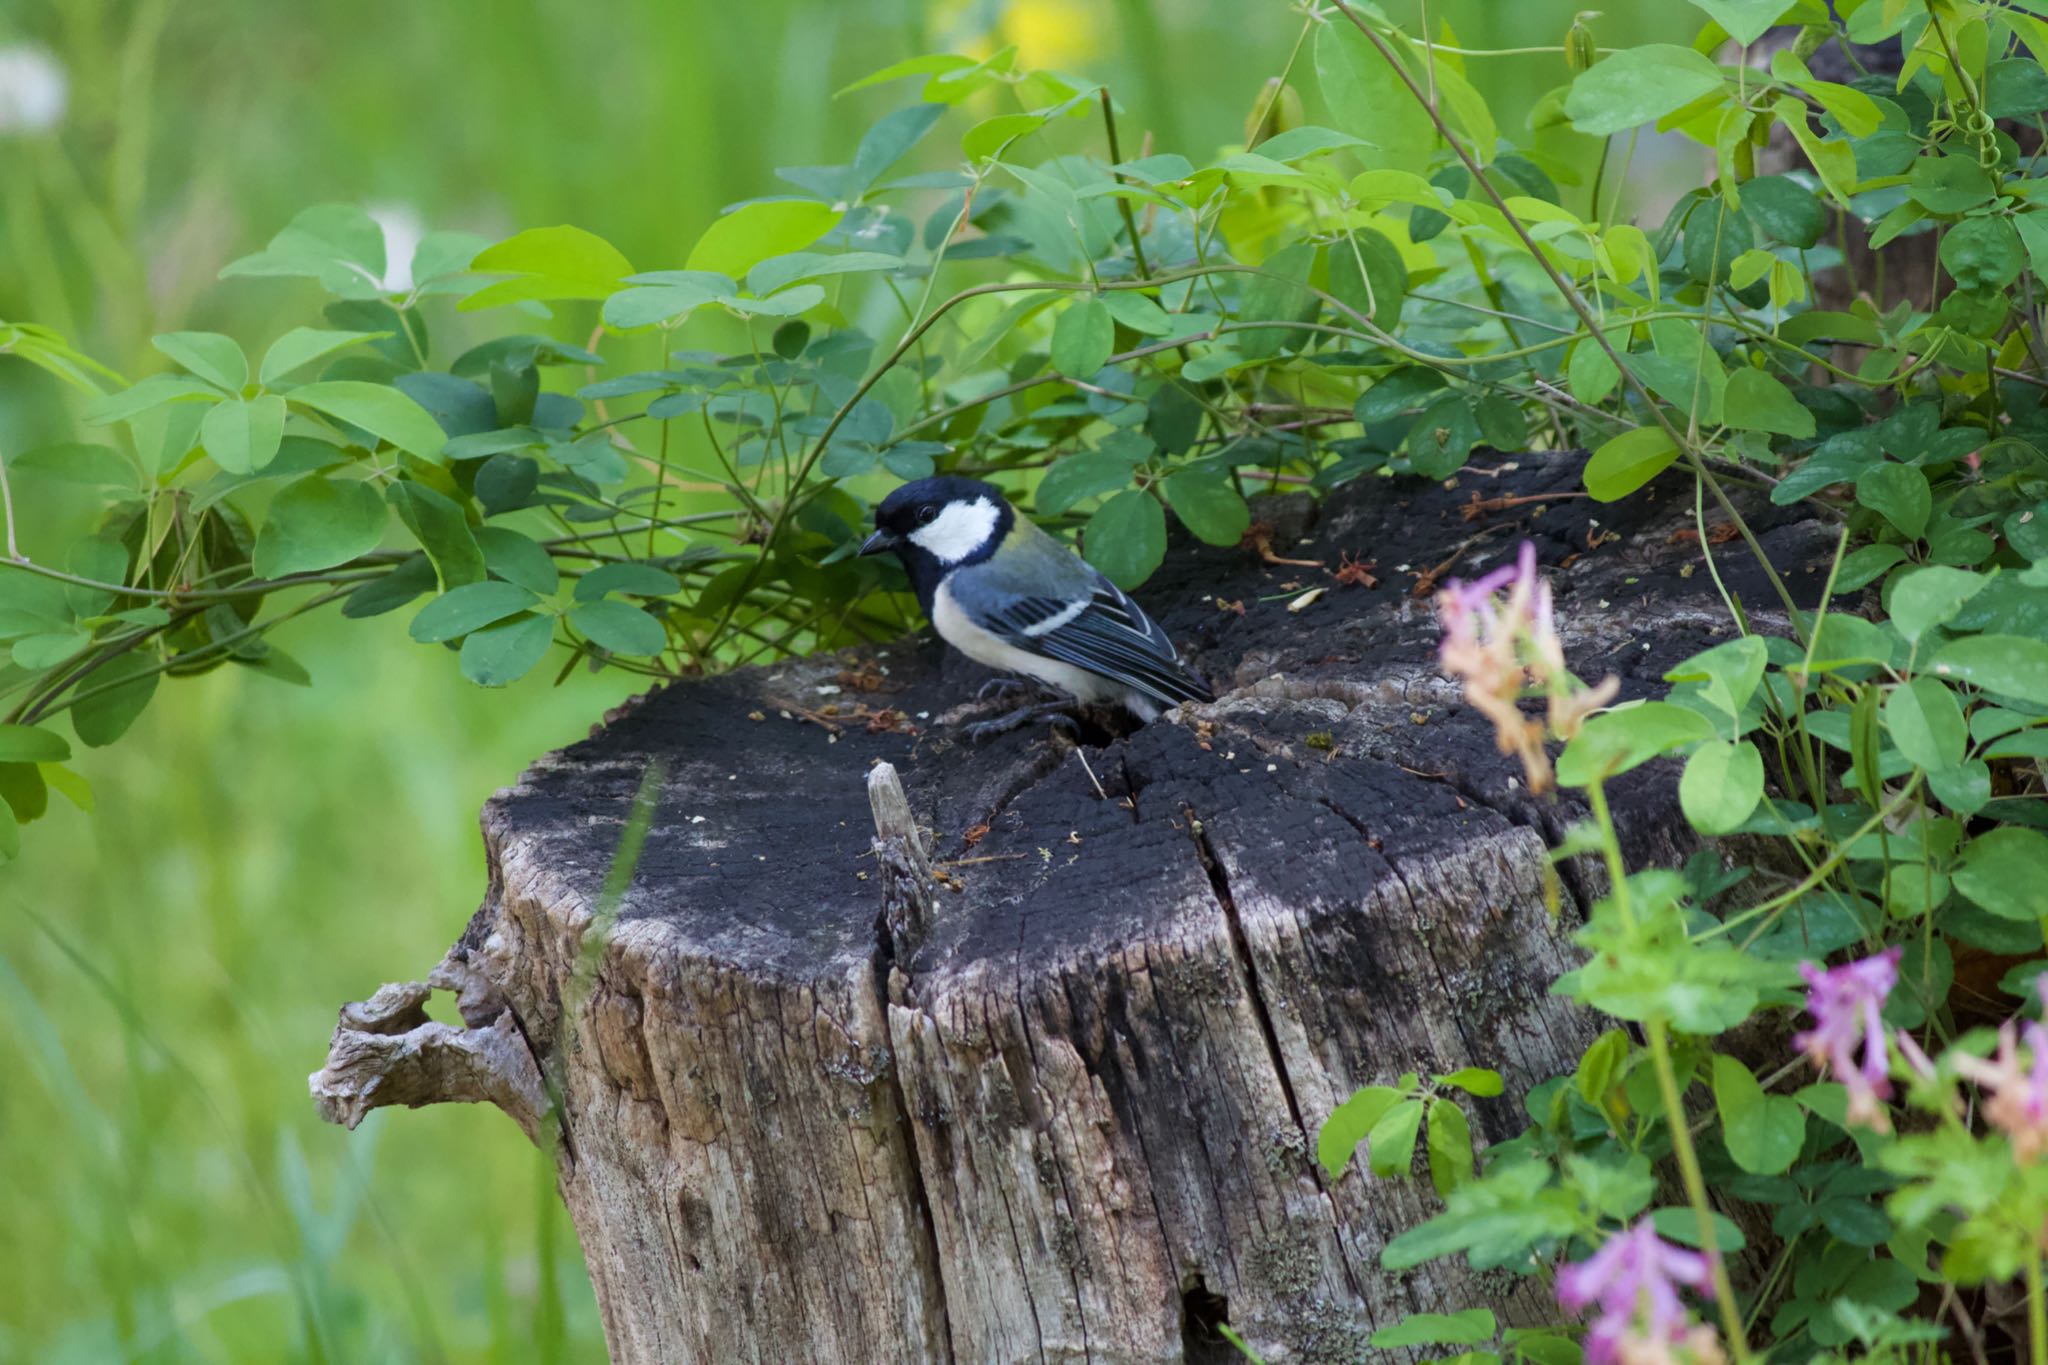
(1201, 1313)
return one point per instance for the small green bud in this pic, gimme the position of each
(1580, 51)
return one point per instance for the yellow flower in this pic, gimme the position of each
(1052, 33)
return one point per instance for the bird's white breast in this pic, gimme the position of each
(984, 647)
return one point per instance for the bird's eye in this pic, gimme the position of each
(927, 514)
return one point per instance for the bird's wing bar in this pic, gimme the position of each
(1105, 633)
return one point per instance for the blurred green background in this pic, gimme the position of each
(170, 965)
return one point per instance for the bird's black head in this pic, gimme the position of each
(937, 525)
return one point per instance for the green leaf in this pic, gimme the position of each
(1126, 538)
(1757, 402)
(1473, 1080)
(1082, 338)
(1721, 786)
(504, 654)
(1348, 1125)
(678, 292)
(316, 523)
(1450, 1146)
(1615, 741)
(77, 462)
(1368, 276)
(215, 358)
(1601, 1067)
(383, 412)
(470, 607)
(442, 531)
(10, 834)
(1367, 97)
(1744, 20)
(243, 434)
(1763, 1132)
(1682, 1225)
(303, 345)
(779, 272)
(1949, 184)
(1468, 1328)
(2003, 871)
(1278, 294)
(548, 263)
(752, 233)
(1138, 312)
(27, 744)
(619, 627)
(894, 134)
(517, 558)
(1615, 1188)
(1638, 85)
(444, 253)
(1086, 474)
(129, 681)
(1399, 392)
(1208, 505)
(1900, 494)
(1626, 462)
(992, 136)
(337, 244)
(1392, 1139)
(1982, 253)
(2010, 665)
(412, 576)
(1924, 598)
(638, 580)
(1786, 210)
(1926, 723)
(1730, 670)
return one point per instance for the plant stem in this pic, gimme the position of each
(1695, 1186)
(1123, 204)
(2037, 1312)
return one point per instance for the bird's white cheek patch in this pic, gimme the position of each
(958, 531)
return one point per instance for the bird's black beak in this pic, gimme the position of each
(880, 543)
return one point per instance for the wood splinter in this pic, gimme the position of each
(385, 1050)
(906, 867)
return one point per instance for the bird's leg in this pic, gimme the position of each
(1002, 687)
(1057, 713)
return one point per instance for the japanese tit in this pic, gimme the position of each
(1006, 594)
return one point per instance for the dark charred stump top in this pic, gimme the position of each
(1062, 1103)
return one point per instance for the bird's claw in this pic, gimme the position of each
(1054, 713)
(1001, 687)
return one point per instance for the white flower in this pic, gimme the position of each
(402, 233)
(33, 90)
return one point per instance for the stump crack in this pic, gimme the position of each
(886, 965)
(1219, 883)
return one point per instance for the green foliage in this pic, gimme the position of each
(1128, 343)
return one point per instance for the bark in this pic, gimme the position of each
(1019, 1052)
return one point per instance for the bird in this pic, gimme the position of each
(1006, 594)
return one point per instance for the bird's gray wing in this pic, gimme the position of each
(1097, 628)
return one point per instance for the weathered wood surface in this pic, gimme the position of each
(1066, 1111)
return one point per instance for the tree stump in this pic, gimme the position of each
(1024, 1060)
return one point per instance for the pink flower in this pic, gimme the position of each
(1497, 647)
(2018, 1102)
(1845, 1003)
(1633, 1279)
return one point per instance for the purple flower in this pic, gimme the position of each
(1497, 646)
(2017, 1104)
(1633, 1279)
(1845, 1003)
